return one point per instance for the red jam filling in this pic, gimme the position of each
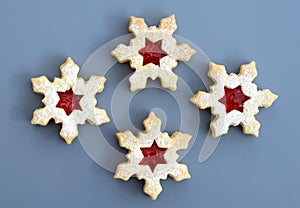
(153, 155)
(152, 52)
(69, 101)
(234, 99)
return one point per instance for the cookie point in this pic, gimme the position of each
(69, 60)
(256, 134)
(193, 100)
(113, 53)
(132, 17)
(252, 63)
(69, 141)
(173, 88)
(172, 17)
(193, 51)
(153, 197)
(214, 135)
(212, 65)
(33, 122)
(133, 89)
(131, 20)
(152, 114)
(119, 135)
(275, 96)
(136, 24)
(187, 176)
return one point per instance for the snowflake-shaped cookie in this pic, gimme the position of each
(234, 99)
(152, 156)
(153, 53)
(69, 100)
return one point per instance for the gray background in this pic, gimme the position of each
(39, 170)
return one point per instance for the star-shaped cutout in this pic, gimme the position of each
(153, 155)
(242, 99)
(152, 52)
(155, 149)
(69, 101)
(234, 99)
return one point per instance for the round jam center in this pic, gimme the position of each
(153, 155)
(152, 52)
(234, 99)
(69, 101)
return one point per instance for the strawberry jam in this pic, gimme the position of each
(153, 155)
(234, 99)
(69, 101)
(152, 52)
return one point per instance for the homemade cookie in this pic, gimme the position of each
(69, 100)
(153, 53)
(152, 156)
(234, 99)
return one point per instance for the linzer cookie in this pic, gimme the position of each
(152, 156)
(153, 53)
(69, 100)
(234, 99)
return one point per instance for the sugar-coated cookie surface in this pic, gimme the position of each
(152, 156)
(69, 100)
(234, 99)
(153, 53)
